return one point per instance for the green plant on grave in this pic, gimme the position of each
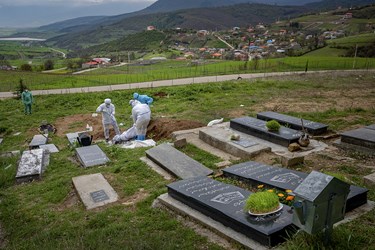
(273, 125)
(262, 202)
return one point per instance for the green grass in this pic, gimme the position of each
(171, 69)
(40, 215)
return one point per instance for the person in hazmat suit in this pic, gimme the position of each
(141, 115)
(27, 99)
(143, 98)
(108, 117)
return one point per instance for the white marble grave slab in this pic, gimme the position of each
(31, 165)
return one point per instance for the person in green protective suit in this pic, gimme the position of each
(27, 99)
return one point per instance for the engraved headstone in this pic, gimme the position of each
(255, 127)
(91, 156)
(51, 148)
(31, 165)
(176, 162)
(94, 190)
(38, 140)
(364, 137)
(283, 178)
(314, 128)
(224, 203)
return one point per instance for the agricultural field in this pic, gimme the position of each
(48, 213)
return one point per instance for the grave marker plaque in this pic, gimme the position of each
(257, 128)
(224, 203)
(314, 128)
(38, 140)
(94, 190)
(282, 178)
(91, 156)
(176, 162)
(362, 137)
(31, 165)
(51, 148)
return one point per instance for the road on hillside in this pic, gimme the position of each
(174, 82)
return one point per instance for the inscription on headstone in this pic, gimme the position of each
(99, 196)
(91, 156)
(282, 178)
(31, 165)
(38, 140)
(176, 162)
(314, 128)
(256, 127)
(224, 203)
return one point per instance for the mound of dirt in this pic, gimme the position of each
(160, 128)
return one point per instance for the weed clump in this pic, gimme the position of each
(273, 125)
(262, 202)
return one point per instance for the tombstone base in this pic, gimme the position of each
(165, 201)
(357, 148)
(290, 161)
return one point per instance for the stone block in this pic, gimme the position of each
(369, 180)
(180, 143)
(289, 161)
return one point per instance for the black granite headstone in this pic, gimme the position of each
(224, 203)
(176, 162)
(282, 178)
(314, 128)
(91, 156)
(364, 137)
(257, 128)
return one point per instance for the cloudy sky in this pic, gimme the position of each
(34, 13)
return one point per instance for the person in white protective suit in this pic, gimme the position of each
(141, 114)
(108, 117)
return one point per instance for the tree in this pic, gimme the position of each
(26, 67)
(48, 65)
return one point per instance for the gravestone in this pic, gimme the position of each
(31, 165)
(224, 203)
(51, 148)
(313, 128)
(91, 156)
(94, 190)
(176, 162)
(72, 137)
(257, 128)
(364, 137)
(371, 127)
(282, 178)
(38, 140)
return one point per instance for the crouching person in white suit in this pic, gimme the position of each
(141, 115)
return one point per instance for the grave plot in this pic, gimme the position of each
(220, 138)
(176, 162)
(38, 140)
(313, 128)
(282, 178)
(91, 156)
(363, 137)
(31, 165)
(94, 190)
(224, 203)
(257, 128)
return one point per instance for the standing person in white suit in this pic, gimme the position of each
(141, 114)
(108, 117)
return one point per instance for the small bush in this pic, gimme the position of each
(273, 125)
(262, 202)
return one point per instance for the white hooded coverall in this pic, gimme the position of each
(108, 118)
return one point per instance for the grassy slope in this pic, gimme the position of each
(38, 216)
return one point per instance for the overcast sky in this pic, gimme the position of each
(34, 13)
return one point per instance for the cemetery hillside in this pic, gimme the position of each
(191, 125)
